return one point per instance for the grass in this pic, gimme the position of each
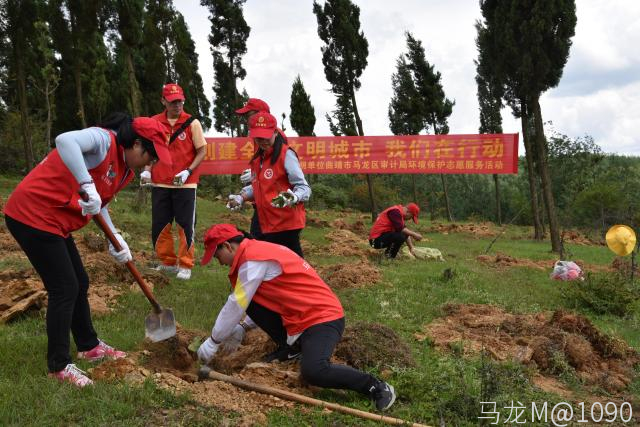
(443, 387)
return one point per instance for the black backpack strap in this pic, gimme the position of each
(181, 129)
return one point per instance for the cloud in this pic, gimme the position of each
(599, 93)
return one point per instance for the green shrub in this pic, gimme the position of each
(602, 293)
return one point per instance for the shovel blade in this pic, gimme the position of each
(160, 326)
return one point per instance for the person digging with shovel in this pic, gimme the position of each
(45, 208)
(309, 317)
(389, 232)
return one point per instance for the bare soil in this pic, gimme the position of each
(555, 343)
(485, 229)
(503, 261)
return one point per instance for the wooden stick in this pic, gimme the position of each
(308, 400)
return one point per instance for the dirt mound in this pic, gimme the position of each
(577, 238)
(346, 243)
(486, 229)
(239, 220)
(354, 275)
(501, 260)
(557, 343)
(20, 291)
(371, 345)
(318, 223)
(356, 227)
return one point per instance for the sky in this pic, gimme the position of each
(598, 95)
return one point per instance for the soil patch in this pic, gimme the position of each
(485, 229)
(577, 238)
(556, 343)
(372, 345)
(502, 261)
(346, 243)
(353, 275)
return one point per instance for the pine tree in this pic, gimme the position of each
(153, 68)
(302, 117)
(344, 57)
(436, 108)
(529, 44)
(129, 20)
(405, 108)
(228, 38)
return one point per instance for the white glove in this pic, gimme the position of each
(181, 178)
(125, 254)
(246, 177)
(207, 350)
(145, 178)
(235, 202)
(94, 203)
(234, 340)
(285, 199)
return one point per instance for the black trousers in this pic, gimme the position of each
(255, 230)
(317, 344)
(167, 205)
(289, 238)
(391, 241)
(57, 261)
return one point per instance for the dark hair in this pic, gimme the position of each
(277, 149)
(236, 239)
(121, 123)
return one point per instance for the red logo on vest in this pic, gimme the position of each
(182, 136)
(268, 173)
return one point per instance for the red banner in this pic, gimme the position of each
(453, 154)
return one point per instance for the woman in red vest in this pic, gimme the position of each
(45, 208)
(310, 316)
(278, 188)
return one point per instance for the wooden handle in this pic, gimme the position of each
(295, 397)
(102, 224)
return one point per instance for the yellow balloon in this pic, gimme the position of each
(621, 239)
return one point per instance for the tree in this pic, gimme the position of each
(530, 45)
(405, 108)
(153, 69)
(302, 117)
(490, 101)
(19, 27)
(344, 57)
(228, 39)
(435, 108)
(130, 16)
(47, 76)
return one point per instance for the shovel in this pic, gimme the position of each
(159, 325)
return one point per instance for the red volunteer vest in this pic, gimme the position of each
(383, 223)
(47, 198)
(270, 180)
(181, 149)
(299, 295)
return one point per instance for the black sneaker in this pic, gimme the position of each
(282, 354)
(383, 395)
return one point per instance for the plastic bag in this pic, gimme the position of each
(566, 270)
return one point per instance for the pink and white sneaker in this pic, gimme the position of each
(101, 351)
(72, 374)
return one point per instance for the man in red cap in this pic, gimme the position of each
(309, 316)
(173, 197)
(390, 232)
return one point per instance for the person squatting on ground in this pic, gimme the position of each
(173, 196)
(45, 209)
(278, 186)
(309, 315)
(389, 230)
(253, 106)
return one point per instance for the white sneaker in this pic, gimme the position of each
(184, 273)
(167, 268)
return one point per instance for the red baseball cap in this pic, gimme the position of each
(214, 236)
(172, 92)
(154, 131)
(262, 125)
(254, 104)
(415, 210)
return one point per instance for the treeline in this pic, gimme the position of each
(65, 64)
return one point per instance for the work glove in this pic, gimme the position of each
(94, 202)
(207, 350)
(125, 254)
(181, 178)
(235, 202)
(145, 178)
(285, 199)
(234, 340)
(246, 177)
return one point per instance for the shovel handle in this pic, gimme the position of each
(98, 219)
